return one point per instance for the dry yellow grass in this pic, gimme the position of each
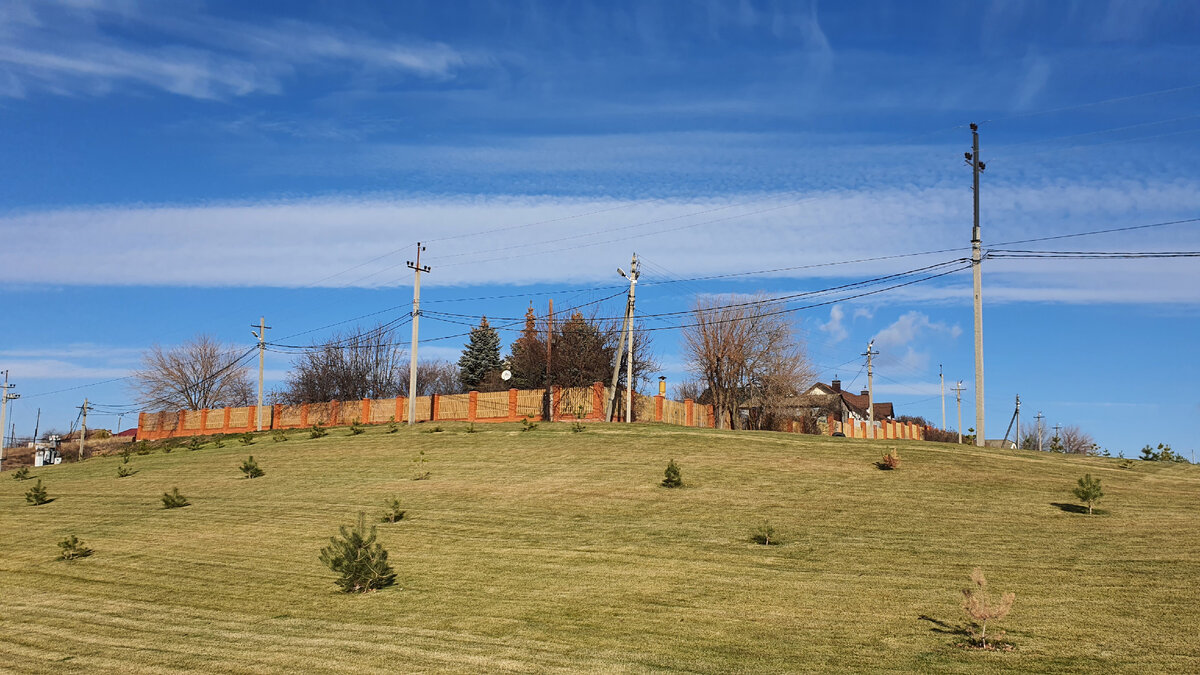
(552, 550)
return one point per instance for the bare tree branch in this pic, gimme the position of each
(198, 374)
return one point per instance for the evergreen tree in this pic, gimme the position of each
(529, 356)
(72, 549)
(359, 559)
(36, 495)
(481, 356)
(672, 477)
(1089, 491)
(251, 468)
(582, 353)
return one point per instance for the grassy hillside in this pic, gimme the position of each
(552, 550)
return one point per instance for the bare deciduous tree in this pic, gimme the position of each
(201, 373)
(433, 377)
(356, 365)
(1076, 441)
(745, 352)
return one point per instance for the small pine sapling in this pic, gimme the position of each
(471, 428)
(672, 477)
(392, 512)
(978, 605)
(246, 438)
(279, 435)
(219, 441)
(251, 468)
(765, 535)
(21, 473)
(37, 495)
(391, 426)
(194, 444)
(1088, 491)
(123, 471)
(360, 562)
(174, 500)
(577, 428)
(355, 427)
(528, 424)
(317, 431)
(125, 455)
(73, 549)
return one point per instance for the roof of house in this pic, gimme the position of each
(128, 432)
(856, 402)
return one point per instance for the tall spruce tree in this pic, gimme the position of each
(481, 356)
(529, 355)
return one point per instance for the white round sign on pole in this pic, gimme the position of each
(506, 375)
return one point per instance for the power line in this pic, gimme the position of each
(1095, 232)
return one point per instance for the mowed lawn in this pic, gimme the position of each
(557, 551)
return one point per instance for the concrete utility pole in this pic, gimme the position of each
(942, 380)
(83, 428)
(633, 277)
(5, 397)
(1018, 420)
(626, 327)
(549, 417)
(977, 167)
(416, 315)
(1039, 418)
(870, 388)
(958, 390)
(261, 334)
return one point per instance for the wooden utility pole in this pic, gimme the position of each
(612, 397)
(262, 350)
(1039, 418)
(83, 428)
(977, 167)
(416, 315)
(870, 389)
(958, 390)
(549, 416)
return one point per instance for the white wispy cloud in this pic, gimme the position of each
(74, 48)
(521, 240)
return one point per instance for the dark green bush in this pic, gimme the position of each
(672, 477)
(360, 562)
(37, 495)
(317, 431)
(392, 512)
(174, 500)
(72, 549)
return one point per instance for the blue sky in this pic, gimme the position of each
(173, 168)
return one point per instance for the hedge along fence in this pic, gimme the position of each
(576, 403)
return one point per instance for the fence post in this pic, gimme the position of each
(555, 400)
(433, 407)
(225, 421)
(472, 405)
(303, 415)
(689, 417)
(204, 421)
(180, 417)
(658, 408)
(277, 415)
(597, 401)
(400, 408)
(366, 411)
(335, 409)
(712, 417)
(512, 404)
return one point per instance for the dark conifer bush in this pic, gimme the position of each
(123, 471)
(37, 495)
(251, 468)
(360, 562)
(672, 477)
(21, 473)
(392, 512)
(72, 549)
(174, 500)
(317, 431)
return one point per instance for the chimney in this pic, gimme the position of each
(865, 393)
(836, 385)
